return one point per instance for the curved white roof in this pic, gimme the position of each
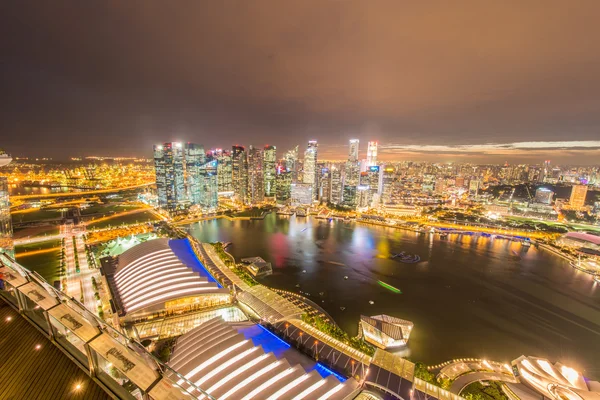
(151, 273)
(222, 362)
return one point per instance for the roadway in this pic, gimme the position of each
(82, 280)
(70, 194)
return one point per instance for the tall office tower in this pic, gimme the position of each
(544, 196)
(353, 150)
(370, 181)
(349, 196)
(256, 185)
(239, 173)
(325, 185)
(270, 170)
(291, 162)
(310, 166)
(371, 154)
(387, 184)
(193, 159)
(223, 170)
(6, 232)
(170, 183)
(578, 194)
(209, 186)
(283, 187)
(336, 185)
(363, 195)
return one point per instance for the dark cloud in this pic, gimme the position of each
(114, 77)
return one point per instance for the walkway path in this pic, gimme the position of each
(464, 380)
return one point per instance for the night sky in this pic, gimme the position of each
(429, 80)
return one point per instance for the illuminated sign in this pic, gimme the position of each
(374, 168)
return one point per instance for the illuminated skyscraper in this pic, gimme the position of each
(578, 195)
(353, 150)
(371, 154)
(370, 187)
(291, 162)
(336, 185)
(170, 183)
(6, 232)
(269, 166)
(349, 196)
(256, 186)
(325, 185)
(209, 186)
(387, 184)
(239, 173)
(284, 187)
(545, 172)
(310, 166)
(194, 159)
(224, 171)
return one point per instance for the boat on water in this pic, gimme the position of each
(371, 302)
(597, 278)
(346, 277)
(525, 243)
(443, 235)
(406, 258)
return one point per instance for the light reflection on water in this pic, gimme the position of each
(470, 296)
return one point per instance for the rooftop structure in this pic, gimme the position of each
(554, 381)
(257, 266)
(220, 360)
(580, 239)
(162, 275)
(384, 331)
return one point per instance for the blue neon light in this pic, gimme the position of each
(325, 372)
(183, 250)
(274, 335)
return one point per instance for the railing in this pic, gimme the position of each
(122, 366)
(435, 391)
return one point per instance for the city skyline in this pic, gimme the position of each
(409, 76)
(307, 200)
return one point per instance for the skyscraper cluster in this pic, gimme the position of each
(184, 177)
(188, 176)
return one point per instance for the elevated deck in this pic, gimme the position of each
(31, 372)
